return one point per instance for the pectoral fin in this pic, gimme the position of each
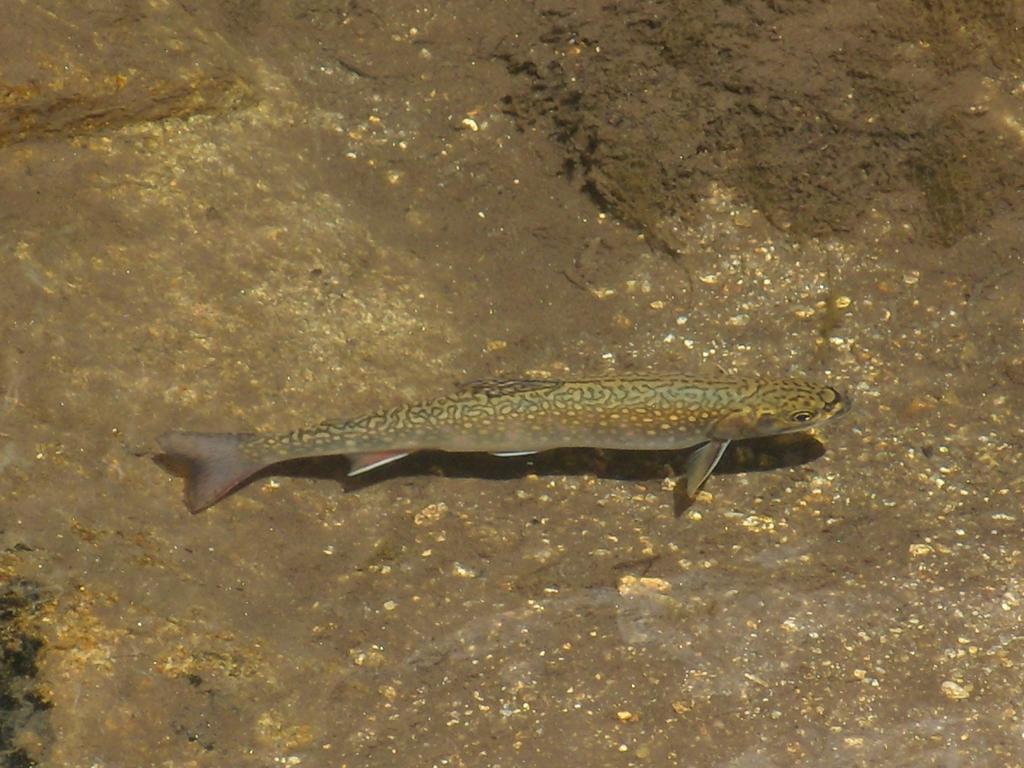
(702, 463)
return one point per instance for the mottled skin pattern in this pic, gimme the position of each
(523, 416)
(634, 412)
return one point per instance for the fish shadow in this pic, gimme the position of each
(762, 454)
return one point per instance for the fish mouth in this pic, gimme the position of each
(835, 403)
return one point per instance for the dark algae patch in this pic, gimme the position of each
(813, 112)
(21, 702)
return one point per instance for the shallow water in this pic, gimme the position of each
(242, 216)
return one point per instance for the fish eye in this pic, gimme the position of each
(802, 416)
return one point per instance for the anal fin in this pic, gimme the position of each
(364, 462)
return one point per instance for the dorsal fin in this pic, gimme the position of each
(500, 387)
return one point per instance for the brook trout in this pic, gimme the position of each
(522, 416)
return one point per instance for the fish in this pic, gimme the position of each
(517, 417)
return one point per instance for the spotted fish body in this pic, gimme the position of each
(518, 416)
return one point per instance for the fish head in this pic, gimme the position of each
(777, 407)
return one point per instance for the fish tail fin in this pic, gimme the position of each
(214, 464)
